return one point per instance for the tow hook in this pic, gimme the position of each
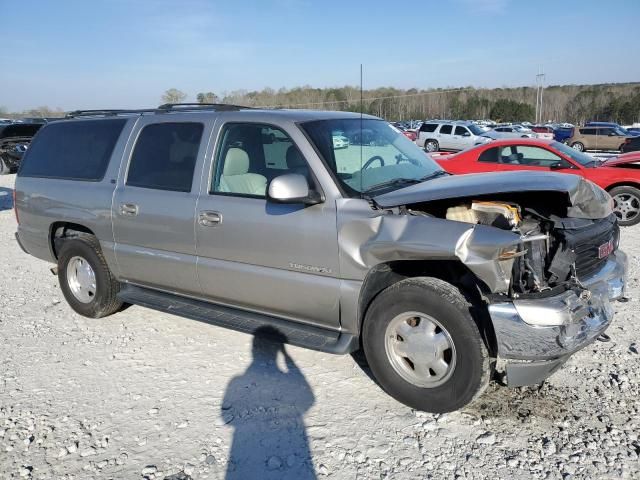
(54, 270)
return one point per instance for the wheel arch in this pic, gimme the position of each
(383, 275)
(623, 183)
(60, 230)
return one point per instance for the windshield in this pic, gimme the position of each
(475, 129)
(375, 155)
(579, 157)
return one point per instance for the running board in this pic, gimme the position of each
(298, 334)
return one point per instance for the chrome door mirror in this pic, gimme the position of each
(292, 188)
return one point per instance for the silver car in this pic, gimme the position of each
(255, 220)
(510, 131)
(452, 136)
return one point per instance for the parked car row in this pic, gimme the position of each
(619, 175)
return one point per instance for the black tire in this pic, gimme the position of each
(579, 145)
(434, 146)
(104, 301)
(443, 302)
(624, 213)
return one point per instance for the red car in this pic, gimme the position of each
(620, 175)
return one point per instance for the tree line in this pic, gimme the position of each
(617, 102)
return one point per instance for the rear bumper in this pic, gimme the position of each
(536, 336)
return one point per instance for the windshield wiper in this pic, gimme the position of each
(393, 183)
(436, 174)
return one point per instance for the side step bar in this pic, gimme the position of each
(298, 334)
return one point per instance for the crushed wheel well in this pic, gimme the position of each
(454, 272)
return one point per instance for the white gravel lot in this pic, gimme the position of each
(142, 394)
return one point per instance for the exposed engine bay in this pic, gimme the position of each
(555, 250)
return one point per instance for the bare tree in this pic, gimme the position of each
(173, 95)
(208, 97)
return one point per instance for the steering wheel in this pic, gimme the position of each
(413, 161)
(373, 159)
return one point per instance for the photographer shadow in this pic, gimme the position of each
(265, 406)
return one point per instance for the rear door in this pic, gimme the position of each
(155, 200)
(445, 137)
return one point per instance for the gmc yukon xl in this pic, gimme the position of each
(248, 218)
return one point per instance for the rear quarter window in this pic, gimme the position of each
(72, 150)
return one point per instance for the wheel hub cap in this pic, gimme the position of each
(81, 279)
(626, 206)
(420, 350)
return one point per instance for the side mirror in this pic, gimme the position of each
(612, 134)
(466, 134)
(292, 188)
(559, 166)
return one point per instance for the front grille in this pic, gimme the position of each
(586, 246)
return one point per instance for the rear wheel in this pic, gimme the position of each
(431, 146)
(85, 279)
(578, 146)
(626, 205)
(424, 347)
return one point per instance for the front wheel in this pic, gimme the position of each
(626, 205)
(85, 279)
(424, 347)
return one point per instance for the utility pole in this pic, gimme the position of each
(539, 95)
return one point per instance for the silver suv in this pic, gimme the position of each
(249, 219)
(444, 135)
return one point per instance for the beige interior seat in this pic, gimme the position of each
(236, 177)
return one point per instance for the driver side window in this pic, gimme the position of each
(250, 155)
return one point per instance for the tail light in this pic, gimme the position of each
(15, 206)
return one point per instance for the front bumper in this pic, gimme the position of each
(564, 324)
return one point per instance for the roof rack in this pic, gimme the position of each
(165, 108)
(107, 113)
(218, 107)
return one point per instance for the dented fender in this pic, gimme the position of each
(368, 237)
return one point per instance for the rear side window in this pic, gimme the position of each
(72, 150)
(428, 127)
(446, 129)
(588, 131)
(490, 155)
(164, 157)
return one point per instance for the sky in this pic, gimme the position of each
(125, 53)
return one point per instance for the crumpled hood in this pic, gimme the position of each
(632, 157)
(586, 200)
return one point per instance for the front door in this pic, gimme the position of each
(154, 204)
(462, 138)
(257, 255)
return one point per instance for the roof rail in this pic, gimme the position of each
(107, 113)
(166, 108)
(218, 107)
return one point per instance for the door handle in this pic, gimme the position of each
(209, 218)
(129, 209)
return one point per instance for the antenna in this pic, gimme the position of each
(361, 132)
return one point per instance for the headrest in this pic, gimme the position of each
(236, 162)
(295, 158)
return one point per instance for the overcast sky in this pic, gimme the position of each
(126, 53)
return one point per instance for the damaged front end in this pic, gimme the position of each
(549, 265)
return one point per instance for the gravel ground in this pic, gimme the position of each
(147, 395)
